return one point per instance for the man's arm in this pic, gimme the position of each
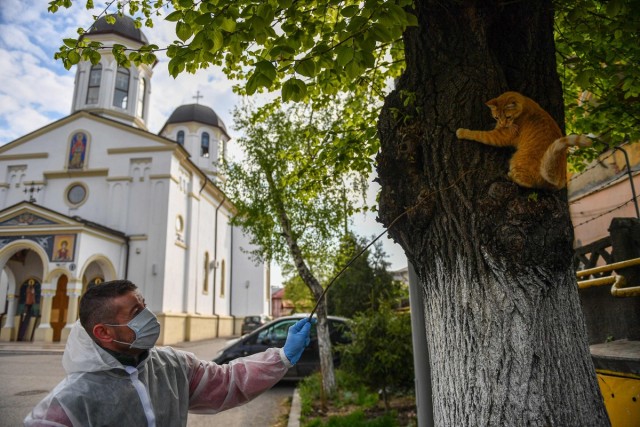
(214, 388)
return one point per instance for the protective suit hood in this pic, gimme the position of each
(82, 354)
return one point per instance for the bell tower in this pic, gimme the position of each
(111, 90)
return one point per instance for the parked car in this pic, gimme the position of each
(274, 334)
(251, 323)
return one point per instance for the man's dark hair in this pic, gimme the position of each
(96, 304)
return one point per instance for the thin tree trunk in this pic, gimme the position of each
(505, 330)
(322, 328)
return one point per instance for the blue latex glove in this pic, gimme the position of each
(298, 339)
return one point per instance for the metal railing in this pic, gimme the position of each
(618, 283)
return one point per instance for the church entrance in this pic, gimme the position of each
(59, 308)
(28, 309)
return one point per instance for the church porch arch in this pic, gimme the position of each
(24, 263)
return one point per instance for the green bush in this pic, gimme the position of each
(380, 355)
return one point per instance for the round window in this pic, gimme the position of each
(76, 194)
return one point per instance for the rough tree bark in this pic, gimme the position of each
(505, 330)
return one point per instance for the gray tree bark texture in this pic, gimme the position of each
(505, 330)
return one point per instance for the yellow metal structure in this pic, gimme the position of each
(619, 287)
(621, 393)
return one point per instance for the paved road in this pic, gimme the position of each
(26, 377)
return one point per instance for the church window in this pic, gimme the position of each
(93, 90)
(76, 194)
(142, 94)
(121, 93)
(180, 138)
(204, 145)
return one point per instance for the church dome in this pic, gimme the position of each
(124, 26)
(196, 113)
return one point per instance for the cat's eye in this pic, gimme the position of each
(508, 117)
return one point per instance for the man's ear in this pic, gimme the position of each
(102, 333)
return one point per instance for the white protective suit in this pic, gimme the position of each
(100, 391)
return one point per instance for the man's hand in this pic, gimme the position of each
(297, 339)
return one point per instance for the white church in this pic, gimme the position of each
(95, 197)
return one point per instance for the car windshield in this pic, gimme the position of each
(252, 319)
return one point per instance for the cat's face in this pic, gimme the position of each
(505, 109)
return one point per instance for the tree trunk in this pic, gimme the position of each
(505, 330)
(322, 328)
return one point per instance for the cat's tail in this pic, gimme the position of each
(572, 140)
(553, 167)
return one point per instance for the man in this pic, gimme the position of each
(116, 377)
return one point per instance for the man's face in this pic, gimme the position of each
(127, 307)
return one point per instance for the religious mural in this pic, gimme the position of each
(59, 248)
(63, 247)
(78, 151)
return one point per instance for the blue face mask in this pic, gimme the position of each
(146, 327)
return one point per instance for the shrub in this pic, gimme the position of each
(381, 354)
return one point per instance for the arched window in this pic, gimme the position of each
(142, 94)
(93, 90)
(121, 92)
(180, 137)
(204, 145)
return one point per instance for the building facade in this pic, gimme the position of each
(95, 196)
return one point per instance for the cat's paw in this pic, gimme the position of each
(461, 133)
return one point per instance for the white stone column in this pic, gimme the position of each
(44, 332)
(74, 290)
(9, 330)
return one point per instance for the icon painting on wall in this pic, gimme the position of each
(78, 150)
(63, 247)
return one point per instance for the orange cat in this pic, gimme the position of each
(540, 160)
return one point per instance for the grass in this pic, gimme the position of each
(353, 405)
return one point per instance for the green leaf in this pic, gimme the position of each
(218, 40)
(252, 84)
(174, 16)
(281, 51)
(350, 11)
(267, 69)
(344, 55)
(294, 90)
(72, 43)
(183, 31)
(228, 25)
(306, 68)
(73, 57)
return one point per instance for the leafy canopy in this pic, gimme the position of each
(315, 50)
(287, 186)
(598, 56)
(308, 50)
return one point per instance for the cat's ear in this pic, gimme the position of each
(493, 104)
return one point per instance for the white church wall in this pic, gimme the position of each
(204, 287)
(222, 270)
(176, 229)
(250, 280)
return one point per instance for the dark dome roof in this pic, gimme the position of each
(124, 27)
(196, 113)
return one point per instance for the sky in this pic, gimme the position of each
(36, 90)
